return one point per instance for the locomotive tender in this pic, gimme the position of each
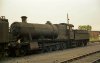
(23, 37)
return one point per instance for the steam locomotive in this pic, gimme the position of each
(22, 37)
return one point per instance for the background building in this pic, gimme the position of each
(94, 35)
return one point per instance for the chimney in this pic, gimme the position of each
(2, 17)
(24, 19)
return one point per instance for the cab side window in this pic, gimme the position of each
(68, 27)
(71, 29)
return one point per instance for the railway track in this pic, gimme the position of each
(93, 57)
(76, 59)
(57, 56)
(96, 61)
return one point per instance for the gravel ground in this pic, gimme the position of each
(53, 57)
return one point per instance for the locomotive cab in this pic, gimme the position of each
(70, 31)
(70, 27)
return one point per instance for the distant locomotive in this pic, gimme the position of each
(4, 37)
(23, 37)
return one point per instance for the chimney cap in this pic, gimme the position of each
(23, 17)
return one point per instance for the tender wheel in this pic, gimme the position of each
(85, 43)
(64, 45)
(57, 46)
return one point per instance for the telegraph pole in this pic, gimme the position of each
(67, 19)
(68, 27)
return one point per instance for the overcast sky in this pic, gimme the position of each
(81, 12)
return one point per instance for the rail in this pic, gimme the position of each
(96, 61)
